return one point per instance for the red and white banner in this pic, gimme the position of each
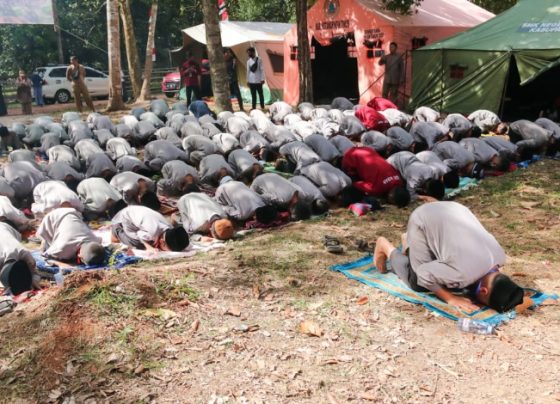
(222, 10)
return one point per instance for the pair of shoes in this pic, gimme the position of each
(332, 245)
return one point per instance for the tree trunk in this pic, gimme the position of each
(58, 33)
(131, 48)
(114, 46)
(304, 54)
(218, 71)
(149, 64)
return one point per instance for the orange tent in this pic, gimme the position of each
(348, 37)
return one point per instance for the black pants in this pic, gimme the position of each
(192, 90)
(400, 264)
(235, 91)
(257, 88)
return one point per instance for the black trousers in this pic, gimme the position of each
(257, 88)
(235, 91)
(192, 90)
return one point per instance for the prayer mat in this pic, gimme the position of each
(364, 271)
(464, 184)
(270, 168)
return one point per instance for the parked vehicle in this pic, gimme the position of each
(171, 84)
(58, 89)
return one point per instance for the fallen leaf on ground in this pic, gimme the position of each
(234, 311)
(368, 396)
(527, 302)
(310, 328)
(139, 370)
(362, 300)
(194, 326)
(529, 205)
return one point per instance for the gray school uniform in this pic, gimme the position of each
(57, 128)
(61, 170)
(396, 117)
(119, 147)
(430, 158)
(11, 213)
(442, 256)
(400, 138)
(173, 181)
(341, 104)
(144, 131)
(327, 127)
(96, 193)
(23, 177)
(428, 132)
(336, 115)
(141, 224)
(352, 126)
(78, 130)
(63, 232)
(238, 200)
(210, 167)
(49, 195)
(33, 134)
(426, 114)
(309, 192)
(376, 140)
(279, 110)
(414, 172)
(226, 142)
(237, 125)
(11, 248)
(302, 129)
(102, 136)
(100, 165)
(49, 140)
(305, 109)
(197, 147)
(261, 122)
(484, 119)
(242, 162)
(64, 154)
(152, 118)
(324, 149)
(274, 190)
(159, 152)
(279, 137)
(342, 143)
(198, 211)
(209, 129)
(329, 179)
(103, 122)
(483, 153)
(127, 185)
(299, 154)
(549, 125)
(21, 155)
(130, 163)
(190, 128)
(252, 141)
(457, 124)
(6, 189)
(291, 119)
(86, 148)
(501, 145)
(223, 118)
(131, 121)
(124, 131)
(453, 155)
(533, 135)
(168, 134)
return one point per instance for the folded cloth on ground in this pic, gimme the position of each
(464, 184)
(364, 271)
(270, 168)
(281, 219)
(360, 209)
(114, 259)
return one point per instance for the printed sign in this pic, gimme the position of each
(26, 12)
(540, 27)
(332, 25)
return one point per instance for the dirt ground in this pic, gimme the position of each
(223, 326)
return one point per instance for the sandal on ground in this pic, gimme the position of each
(332, 245)
(362, 245)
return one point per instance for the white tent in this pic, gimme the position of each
(266, 37)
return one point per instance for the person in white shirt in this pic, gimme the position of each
(255, 77)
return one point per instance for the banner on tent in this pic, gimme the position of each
(26, 12)
(540, 27)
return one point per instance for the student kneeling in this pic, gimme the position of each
(446, 247)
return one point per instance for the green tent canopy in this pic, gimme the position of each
(470, 71)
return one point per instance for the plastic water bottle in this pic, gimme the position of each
(475, 326)
(59, 278)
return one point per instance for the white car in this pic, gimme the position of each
(57, 88)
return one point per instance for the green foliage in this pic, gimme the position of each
(402, 6)
(495, 6)
(258, 10)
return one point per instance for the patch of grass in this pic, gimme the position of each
(109, 301)
(300, 304)
(123, 335)
(176, 289)
(89, 353)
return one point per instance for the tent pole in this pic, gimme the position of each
(506, 85)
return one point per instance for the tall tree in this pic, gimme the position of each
(114, 46)
(495, 6)
(304, 54)
(218, 71)
(131, 48)
(145, 94)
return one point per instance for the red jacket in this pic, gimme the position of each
(190, 72)
(381, 104)
(372, 119)
(370, 172)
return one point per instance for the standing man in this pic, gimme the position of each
(394, 73)
(231, 66)
(76, 74)
(255, 77)
(37, 81)
(190, 75)
(24, 93)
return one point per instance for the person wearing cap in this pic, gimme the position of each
(178, 178)
(241, 203)
(66, 237)
(49, 195)
(203, 215)
(136, 189)
(99, 198)
(145, 229)
(244, 165)
(438, 259)
(17, 265)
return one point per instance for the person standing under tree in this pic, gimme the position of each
(255, 77)
(190, 75)
(231, 66)
(24, 95)
(3, 110)
(76, 73)
(37, 81)
(394, 73)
